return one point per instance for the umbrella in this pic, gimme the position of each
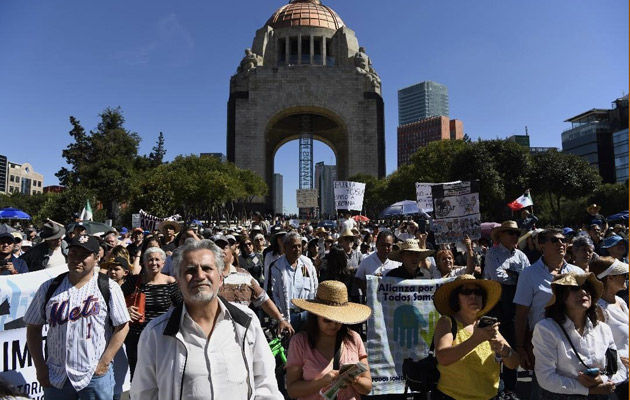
(13, 213)
(361, 218)
(620, 216)
(92, 228)
(487, 227)
(4, 228)
(328, 224)
(405, 207)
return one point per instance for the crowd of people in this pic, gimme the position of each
(195, 307)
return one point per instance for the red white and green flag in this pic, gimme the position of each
(524, 201)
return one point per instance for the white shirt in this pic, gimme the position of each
(214, 368)
(372, 265)
(56, 258)
(617, 320)
(534, 288)
(557, 366)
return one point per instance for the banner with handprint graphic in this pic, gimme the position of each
(401, 326)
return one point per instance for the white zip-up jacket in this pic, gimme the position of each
(162, 356)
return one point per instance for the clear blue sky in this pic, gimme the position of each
(507, 64)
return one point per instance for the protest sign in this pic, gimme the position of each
(456, 209)
(306, 198)
(349, 195)
(401, 326)
(135, 221)
(424, 196)
(150, 222)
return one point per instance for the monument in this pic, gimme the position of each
(305, 73)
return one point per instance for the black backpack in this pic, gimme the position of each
(422, 376)
(103, 286)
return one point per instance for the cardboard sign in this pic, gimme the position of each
(456, 209)
(349, 195)
(307, 198)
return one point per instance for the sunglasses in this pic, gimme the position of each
(468, 292)
(556, 239)
(513, 233)
(580, 288)
(249, 244)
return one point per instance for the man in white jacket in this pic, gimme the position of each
(206, 348)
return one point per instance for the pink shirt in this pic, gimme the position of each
(314, 365)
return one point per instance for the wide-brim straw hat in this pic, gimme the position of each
(593, 209)
(347, 233)
(331, 302)
(505, 226)
(321, 229)
(522, 241)
(408, 245)
(443, 294)
(174, 224)
(575, 279)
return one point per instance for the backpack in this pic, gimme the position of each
(103, 286)
(422, 375)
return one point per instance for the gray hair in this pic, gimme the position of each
(581, 241)
(152, 250)
(290, 237)
(191, 245)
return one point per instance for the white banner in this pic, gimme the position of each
(136, 221)
(349, 195)
(424, 196)
(307, 198)
(17, 366)
(401, 326)
(456, 209)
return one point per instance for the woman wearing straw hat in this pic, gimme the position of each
(612, 309)
(469, 363)
(570, 345)
(313, 353)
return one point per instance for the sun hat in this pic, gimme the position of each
(522, 241)
(321, 229)
(612, 240)
(166, 223)
(575, 279)
(331, 302)
(505, 226)
(408, 245)
(52, 231)
(441, 298)
(347, 233)
(616, 268)
(593, 209)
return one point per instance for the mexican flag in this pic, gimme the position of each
(524, 201)
(86, 214)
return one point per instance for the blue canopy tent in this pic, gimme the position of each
(620, 216)
(403, 208)
(13, 213)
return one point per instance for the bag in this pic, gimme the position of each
(611, 362)
(137, 299)
(422, 376)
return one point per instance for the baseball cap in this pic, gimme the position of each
(7, 235)
(220, 239)
(122, 261)
(89, 243)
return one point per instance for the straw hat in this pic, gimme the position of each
(331, 302)
(408, 245)
(321, 229)
(575, 279)
(443, 294)
(505, 226)
(593, 209)
(347, 233)
(166, 223)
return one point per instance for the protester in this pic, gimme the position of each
(169, 229)
(595, 233)
(137, 237)
(250, 260)
(445, 263)
(117, 269)
(335, 267)
(49, 253)
(410, 255)
(582, 251)
(17, 248)
(528, 244)
(205, 346)
(292, 276)
(82, 340)
(533, 292)
(469, 362)
(9, 263)
(273, 253)
(613, 310)
(378, 262)
(316, 354)
(570, 340)
(616, 247)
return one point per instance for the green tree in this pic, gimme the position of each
(560, 177)
(159, 151)
(375, 197)
(103, 161)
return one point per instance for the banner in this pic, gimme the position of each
(307, 198)
(136, 221)
(150, 222)
(424, 196)
(349, 195)
(401, 326)
(456, 210)
(17, 367)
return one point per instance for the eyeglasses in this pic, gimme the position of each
(579, 289)
(556, 239)
(468, 292)
(249, 244)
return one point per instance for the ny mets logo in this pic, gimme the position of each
(59, 313)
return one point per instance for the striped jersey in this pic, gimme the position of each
(78, 327)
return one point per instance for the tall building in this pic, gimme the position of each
(416, 134)
(276, 189)
(422, 100)
(21, 178)
(325, 176)
(523, 140)
(600, 136)
(4, 165)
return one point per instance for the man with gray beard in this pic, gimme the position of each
(206, 348)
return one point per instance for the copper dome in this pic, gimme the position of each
(305, 13)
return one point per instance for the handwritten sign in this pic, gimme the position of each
(306, 198)
(349, 195)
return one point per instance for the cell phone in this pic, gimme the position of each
(592, 372)
(4, 262)
(487, 321)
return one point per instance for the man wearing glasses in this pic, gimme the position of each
(533, 292)
(504, 263)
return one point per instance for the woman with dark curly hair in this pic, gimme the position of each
(570, 345)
